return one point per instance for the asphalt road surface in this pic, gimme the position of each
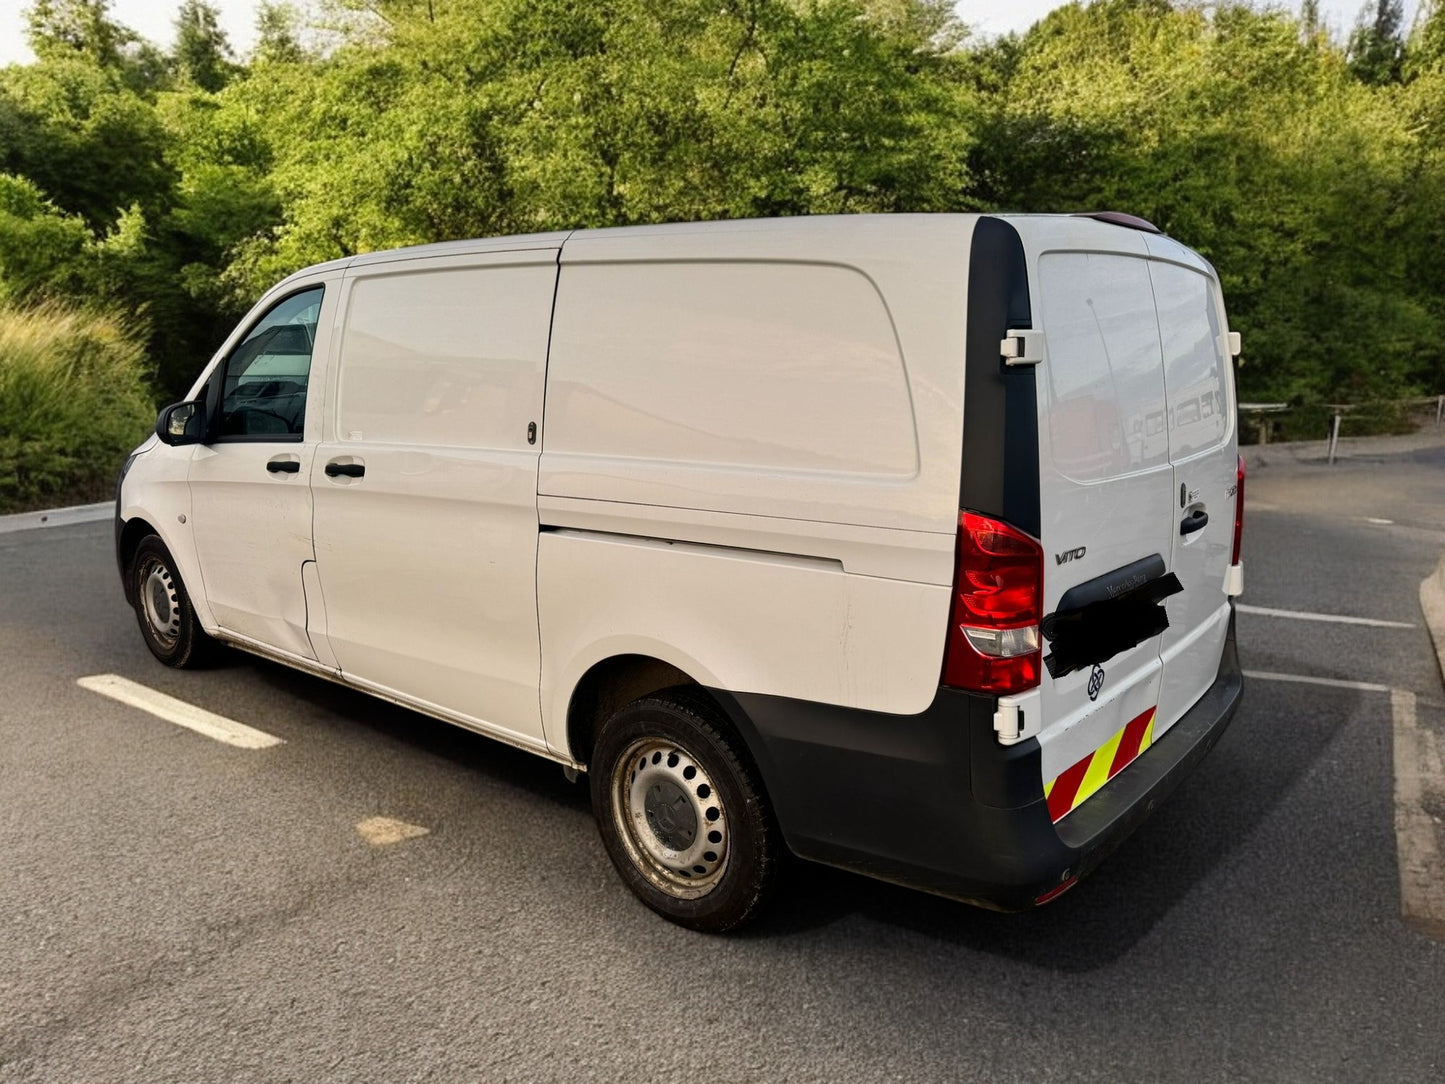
(176, 909)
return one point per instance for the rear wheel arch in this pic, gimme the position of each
(609, 685)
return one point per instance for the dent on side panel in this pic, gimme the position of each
(734, 620)
(316, 616)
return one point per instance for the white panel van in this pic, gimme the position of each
(902, 543)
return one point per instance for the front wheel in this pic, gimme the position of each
(163, 609)
(682, 815)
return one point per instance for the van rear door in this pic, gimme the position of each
(1106, 492)
(1203, 452)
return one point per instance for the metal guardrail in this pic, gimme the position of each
(1262, 414)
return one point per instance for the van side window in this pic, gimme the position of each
(263, 391)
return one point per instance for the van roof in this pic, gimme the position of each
(797, 224)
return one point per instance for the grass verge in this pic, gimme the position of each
(74, 399)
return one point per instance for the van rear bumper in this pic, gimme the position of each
(932, 801)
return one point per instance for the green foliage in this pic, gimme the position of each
(74, 399)
(277, 38)
(42, 250)
(202, 53)
(91, 143)
(1310, 171)
(1248, 140)
(76, 29)
(1377, 47)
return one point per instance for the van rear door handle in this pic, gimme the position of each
(283, 466)
(350, 470)
(1195, 521)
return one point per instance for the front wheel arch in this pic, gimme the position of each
(132, 533)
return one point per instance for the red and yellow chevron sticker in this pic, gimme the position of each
(1073, 786)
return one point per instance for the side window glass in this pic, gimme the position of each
(263, 392)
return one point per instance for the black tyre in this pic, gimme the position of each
(163, 609)
(682, 813)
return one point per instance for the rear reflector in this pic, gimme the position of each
(993, 637)
(1238, 510)
(1055, 893)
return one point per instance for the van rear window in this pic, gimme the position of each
(1107, 415)
(1195, 358)
(777, 365)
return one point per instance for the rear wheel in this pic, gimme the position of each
(163, 609)
(681, 813)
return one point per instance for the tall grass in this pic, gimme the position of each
(74, 398)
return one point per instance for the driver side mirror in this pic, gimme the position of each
(181, 423)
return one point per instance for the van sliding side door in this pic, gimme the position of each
(425, 487)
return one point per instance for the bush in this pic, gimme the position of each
(74, 399)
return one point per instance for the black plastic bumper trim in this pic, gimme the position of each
(932, 801)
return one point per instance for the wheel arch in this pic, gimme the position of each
(607, 685)
(132, 531)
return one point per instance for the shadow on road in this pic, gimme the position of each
(1278, 734)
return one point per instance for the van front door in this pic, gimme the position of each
(250, 501)
(426, 485)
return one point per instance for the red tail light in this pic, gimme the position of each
(993, 639)
(1238, 511)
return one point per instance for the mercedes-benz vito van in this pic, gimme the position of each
(902, 543)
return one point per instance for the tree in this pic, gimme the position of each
(277, 40)
(202, 54)
(93, 144)
(1376, 51)
(1309, 19)
(69, 29)
(1425, 50)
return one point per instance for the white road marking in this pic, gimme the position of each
(383, 831)
(1419, 776)
(1332, 683)
(178, 711)
(1380, 522)
(1339, 619)
(1418, 768)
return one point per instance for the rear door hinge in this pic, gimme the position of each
(1013, 722)
(1022, 348)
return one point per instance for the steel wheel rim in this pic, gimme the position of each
(161, 602)
(670, 818)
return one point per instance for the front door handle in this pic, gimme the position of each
(350, 470)
(283, 466)
(1195, 521)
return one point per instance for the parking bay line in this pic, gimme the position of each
(1419, 767)
(214, 726)
(1339, 619)
(1332, 683)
